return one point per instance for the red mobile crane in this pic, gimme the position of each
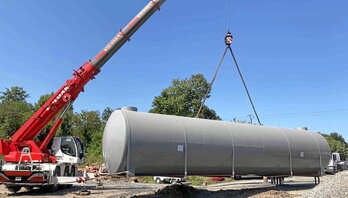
(29, 163)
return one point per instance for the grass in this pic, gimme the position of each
(202, 180)
(146, 179)
(93, 159)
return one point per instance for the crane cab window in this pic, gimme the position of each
(80, 148)
(68, 146)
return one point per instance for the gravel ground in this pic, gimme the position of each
(336, 186)
(254, 188)
(115, 189)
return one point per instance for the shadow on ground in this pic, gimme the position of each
(42, 192)
(175, 191)
(125, 191)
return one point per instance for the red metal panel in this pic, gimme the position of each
(18, 173)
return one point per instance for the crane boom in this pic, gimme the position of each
(116, 43)
(67, 94)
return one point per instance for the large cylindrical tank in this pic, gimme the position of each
(155, 144)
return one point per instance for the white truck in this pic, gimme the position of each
(336, 164)
(168, 180)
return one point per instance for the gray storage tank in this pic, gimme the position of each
(156, 144)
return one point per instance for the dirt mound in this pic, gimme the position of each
(174, 191)
(178, 191)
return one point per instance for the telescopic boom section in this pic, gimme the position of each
(68, 93)
(124, 35)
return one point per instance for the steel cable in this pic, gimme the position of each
(245, 86)
(211, 83)
(241, 77)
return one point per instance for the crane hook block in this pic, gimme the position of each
(228, 38)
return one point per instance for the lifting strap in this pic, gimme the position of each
(228, 41)
(211, 83)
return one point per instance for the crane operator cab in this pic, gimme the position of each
(68, 149)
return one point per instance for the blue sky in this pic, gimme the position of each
(293, 55)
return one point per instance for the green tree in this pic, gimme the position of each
(183, 97)
(337, 137)
(13, 114)
(337, 146)
(88, 126)
(42, 100)
(94, 148)
(14, 110)
(14, 94)
(106, 114)
(66, 128)
(85, 124)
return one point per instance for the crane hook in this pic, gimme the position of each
(228, 38)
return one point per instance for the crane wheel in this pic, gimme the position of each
(53, 187)
(66, 171)
(13, 189)
(72, 171)
(57, 171)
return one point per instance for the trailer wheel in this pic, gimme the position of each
(158, 180)
(13, 189)
(173, 181)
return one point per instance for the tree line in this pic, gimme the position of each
(337, 144)
(88, 125)
(182, 97)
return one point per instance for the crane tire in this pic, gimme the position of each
(13, 189)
